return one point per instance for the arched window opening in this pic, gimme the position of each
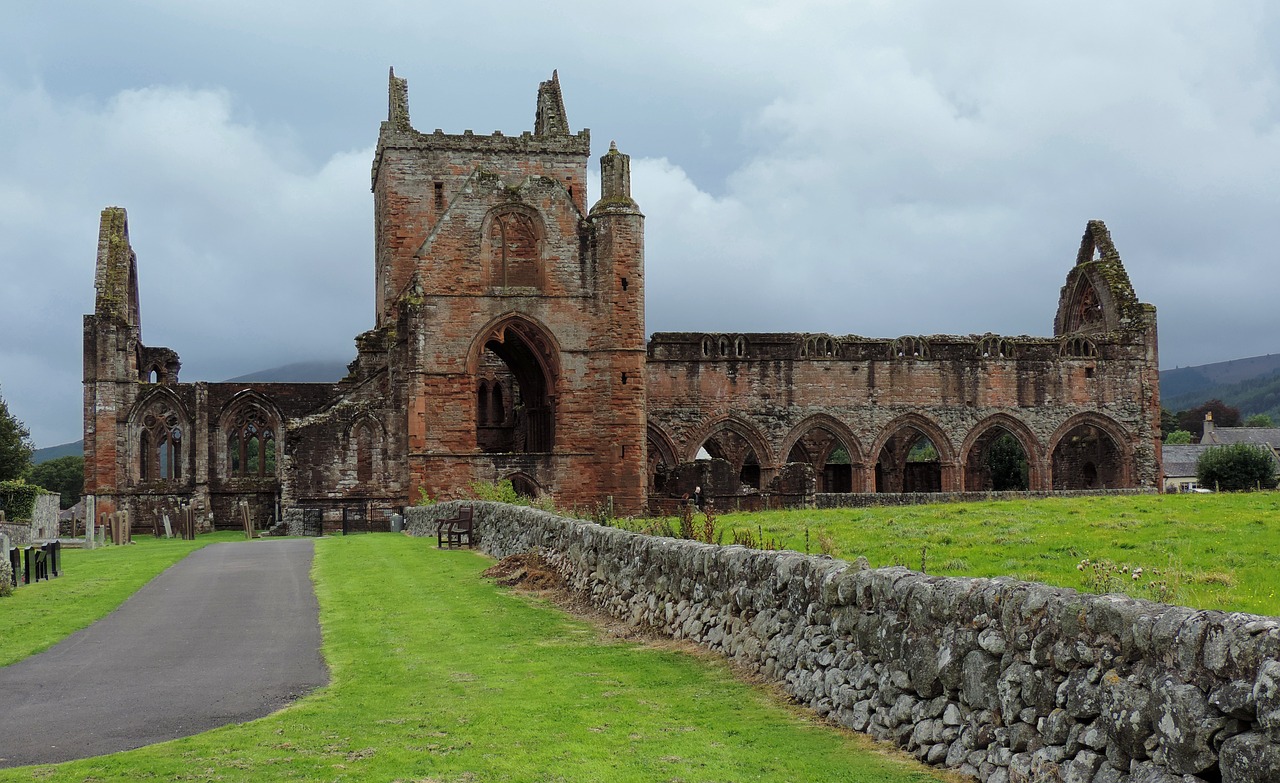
(144, 449)
(1077, 347)
(909, 462)
(1087, 458)
(160, 444)
(167, 462)
(997, 462)
(909, 348)
(1085, 314)
(522, 394)
(513, 238)
(251, 443)
(498, 413)
(364, 453)
(992, 347)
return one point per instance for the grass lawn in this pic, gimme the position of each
(437, 675)
(1211, 551)
(94, 582)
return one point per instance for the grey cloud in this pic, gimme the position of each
(883, 169)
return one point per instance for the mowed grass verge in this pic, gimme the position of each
(438, 675)
(93, 583)
(1212, 551)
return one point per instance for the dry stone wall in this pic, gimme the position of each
(1005, 680)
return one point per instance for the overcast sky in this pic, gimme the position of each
(878, 168)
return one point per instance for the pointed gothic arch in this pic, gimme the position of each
(980, 475)
(739, 442)
(513, 245)
(366, 448)
(902, 465)
(827, 444)
(250, 436)
(531, 358)
(160, 429)
(1090, 451)
(661, 452)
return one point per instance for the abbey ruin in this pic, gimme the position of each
(509, 343)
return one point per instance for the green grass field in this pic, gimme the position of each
(438, 675)
(1209, 551)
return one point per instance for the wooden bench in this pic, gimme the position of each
(451, 532)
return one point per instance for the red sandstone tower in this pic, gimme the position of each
(517, 315)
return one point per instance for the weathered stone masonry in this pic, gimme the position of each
(509, 343)
(1005, 680)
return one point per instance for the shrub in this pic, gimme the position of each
(1238, 466)
(18, 498)
(505, 492)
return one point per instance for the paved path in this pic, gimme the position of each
(229, 634)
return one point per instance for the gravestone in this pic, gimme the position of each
(168, 529)
(90, 518)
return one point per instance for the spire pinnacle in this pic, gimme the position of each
(550, 119)
(397, 101)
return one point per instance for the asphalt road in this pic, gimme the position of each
(228, 634)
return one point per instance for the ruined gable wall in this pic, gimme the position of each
(416, 177)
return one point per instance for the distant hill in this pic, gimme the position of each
(75, 449)
(1252, 385)
(299, 372)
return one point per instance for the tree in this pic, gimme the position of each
(1223, 416)
(64, 475)
(1259, 420)
(1007, 463)
(1177, 438)
(1168, 421)
(1238, 466)
(15, 445)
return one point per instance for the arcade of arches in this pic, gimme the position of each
(913, 457)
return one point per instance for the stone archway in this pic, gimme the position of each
(1090, 452)
(827, 445)
(662, 458)
(913, 455)
(518, 355)
(1001, 454)
(741, 445)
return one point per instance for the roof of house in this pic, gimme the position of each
(1261, 436)
(1180, 460)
